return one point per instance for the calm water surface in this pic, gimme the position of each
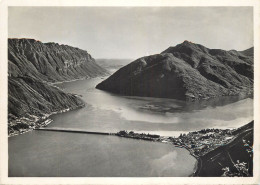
(42, 153)
(60, 154)
(109, 112)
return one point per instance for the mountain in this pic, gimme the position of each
(50, 62)
(32, 68)
(187, 71)
(248, 52)
(30, 102)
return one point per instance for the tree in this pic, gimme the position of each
(241, 168)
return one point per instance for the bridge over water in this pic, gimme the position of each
(72, 130)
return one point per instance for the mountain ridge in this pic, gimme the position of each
(50, 62)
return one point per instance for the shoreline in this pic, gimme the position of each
(54, 83)
(181, 142)
(225, 136)
(163, 139)
(195, 168)
(78, 79)
(39, 121)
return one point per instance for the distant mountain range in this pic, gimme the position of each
(112, 65)
(187, 71)
(32, 67)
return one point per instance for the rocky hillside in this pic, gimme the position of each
(27, 95)
(31, 102)
(50, 62)
(32, 65)
(186, 71)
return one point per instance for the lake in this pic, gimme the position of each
(55, 154)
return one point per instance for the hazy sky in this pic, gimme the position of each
(124, 32)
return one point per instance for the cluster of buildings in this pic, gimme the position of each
(201, 142)
(29, 122)
(26, 123)
(198, 143)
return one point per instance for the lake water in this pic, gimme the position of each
(42, 153)
(110, 113)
